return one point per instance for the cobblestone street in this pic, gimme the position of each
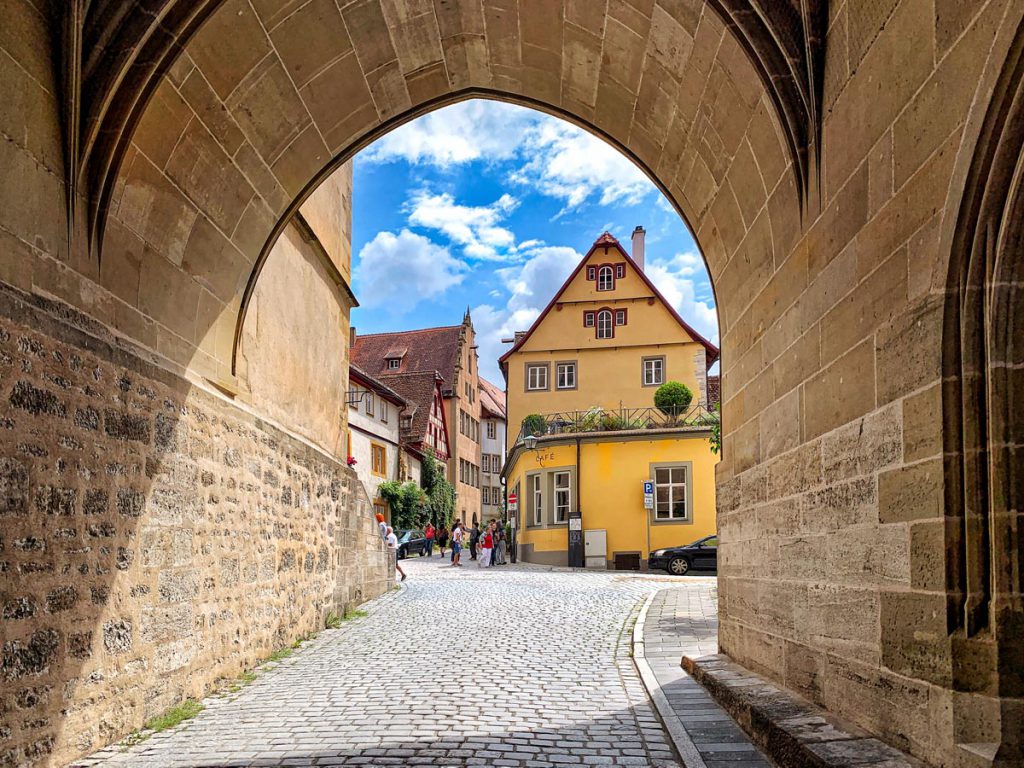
(518, 666)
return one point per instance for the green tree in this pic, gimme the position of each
(534, 424)
(716, 430)
(440, 496)
(673, 398)
(408, 503)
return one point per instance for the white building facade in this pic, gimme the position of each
(374, 450)
(492, 450)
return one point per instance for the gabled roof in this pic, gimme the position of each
(492, 400)
(607, 240)
(374, 384)
(426, 350)
(418, 389)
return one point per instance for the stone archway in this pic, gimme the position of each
(982, 399)
(145, 198)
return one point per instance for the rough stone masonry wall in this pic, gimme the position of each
(153, 537)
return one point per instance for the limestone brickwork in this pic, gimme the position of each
(153, 537)
(832, 245)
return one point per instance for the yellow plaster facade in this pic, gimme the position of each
(568, 363)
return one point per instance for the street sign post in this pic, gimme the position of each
(513, 502)
(648, 494)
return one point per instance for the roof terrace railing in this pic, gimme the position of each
(615, 420)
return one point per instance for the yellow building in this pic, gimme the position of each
(586, 373)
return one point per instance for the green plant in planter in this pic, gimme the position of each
(673, 398)
(534, 424)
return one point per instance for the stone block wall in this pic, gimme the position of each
(153, 536)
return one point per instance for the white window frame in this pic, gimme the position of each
(564, 372)
(604, 284)
(485, 495)
(537, 385)
(383, 411)
(670, 515)
(537, 481)
(394, 363)
(562, 496)
(605, 331)
(588, 318)
(369, 403)
(620, 313)
(653, 381)
(485, 459)
(620, 271)
(492, 430)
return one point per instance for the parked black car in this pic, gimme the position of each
(680, 560)
(410, 542)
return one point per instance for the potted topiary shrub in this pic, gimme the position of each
(534, 424)
(673, 399)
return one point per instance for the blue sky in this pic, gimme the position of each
(491, 205)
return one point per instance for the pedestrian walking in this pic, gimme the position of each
(457, 534)
(392, 541)
(474, 540)
(429, 532)
(486, 547)
(442, 537)
(498, 558)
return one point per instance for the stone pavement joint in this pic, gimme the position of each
(516, 666)
(683, 621)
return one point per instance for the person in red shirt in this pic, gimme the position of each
(486, 547)
(429, 533)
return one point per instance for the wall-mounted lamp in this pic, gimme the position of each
(530, 441)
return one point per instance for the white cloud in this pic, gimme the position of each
(674, 277)
(568, 163)
(475, 228)
(389, 264)
(530, 285)
(461, 133)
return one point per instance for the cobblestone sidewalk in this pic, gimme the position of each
(685, 622)
(514, 666)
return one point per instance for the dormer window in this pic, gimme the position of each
(394, 363)
(605, 278)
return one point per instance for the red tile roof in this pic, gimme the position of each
(417, 389)
(492, 399)
(714, 391)
(429, 350)
(382, 389)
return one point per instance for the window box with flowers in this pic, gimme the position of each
(351, 461)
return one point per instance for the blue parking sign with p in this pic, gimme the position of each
(648, 486)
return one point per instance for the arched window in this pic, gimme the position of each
(605, 329)
(605, 279)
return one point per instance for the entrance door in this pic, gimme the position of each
(595, 548)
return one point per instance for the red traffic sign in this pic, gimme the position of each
(512, 498)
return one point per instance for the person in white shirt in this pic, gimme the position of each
(457, 533)
(392, 541)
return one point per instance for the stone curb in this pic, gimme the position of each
(684, 745)
(791, 731)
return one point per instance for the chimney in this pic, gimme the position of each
(638, 246)
(351, 336)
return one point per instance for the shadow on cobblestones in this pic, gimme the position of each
(504, 667)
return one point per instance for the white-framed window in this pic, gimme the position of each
(384, 410)
(588, 319)
(486, 459)
(620, 270)
(620, 317)
(670, 498)
(565, 376)
(394, 363)
(563, 496)
(591, 273)
(605, 278)
(492, 430)
(536, 377)
(485, 494)
(654, 371)
(605, 329)
(534, 482)
(369, 403)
